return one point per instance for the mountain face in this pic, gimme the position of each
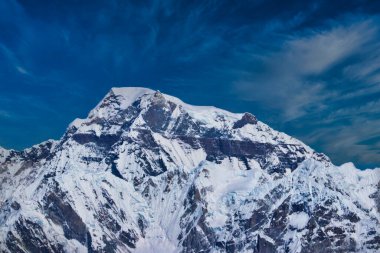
(145, 172)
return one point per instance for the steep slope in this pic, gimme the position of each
(145, 172)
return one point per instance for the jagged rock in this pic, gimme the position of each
(246, 119)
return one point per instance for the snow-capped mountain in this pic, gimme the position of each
(145, 172)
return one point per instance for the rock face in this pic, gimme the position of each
(145, 172)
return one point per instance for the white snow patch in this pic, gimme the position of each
(298, 220)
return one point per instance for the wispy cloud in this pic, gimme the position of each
(21, 70)
(352, 140)
(286, 78)
(4, 114)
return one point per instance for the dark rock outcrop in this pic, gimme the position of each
(246, 119)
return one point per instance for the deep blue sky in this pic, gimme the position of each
(309, 68)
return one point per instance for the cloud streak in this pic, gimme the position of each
(288, 79)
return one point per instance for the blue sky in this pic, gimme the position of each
(308, 68)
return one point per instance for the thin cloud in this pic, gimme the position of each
(343, 141)
(4, 114)
(285, 82)
(22, 70)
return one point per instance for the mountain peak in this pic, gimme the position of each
(146, 172)
(158, 112)
(130, 93)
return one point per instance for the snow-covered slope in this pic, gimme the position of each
(145, 172)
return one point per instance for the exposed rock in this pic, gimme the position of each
(30, 238)
(246, 119)
(15, 205)
(64, 215)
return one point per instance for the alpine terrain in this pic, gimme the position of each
(146, 172)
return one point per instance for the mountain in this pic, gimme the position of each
(145, 172)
